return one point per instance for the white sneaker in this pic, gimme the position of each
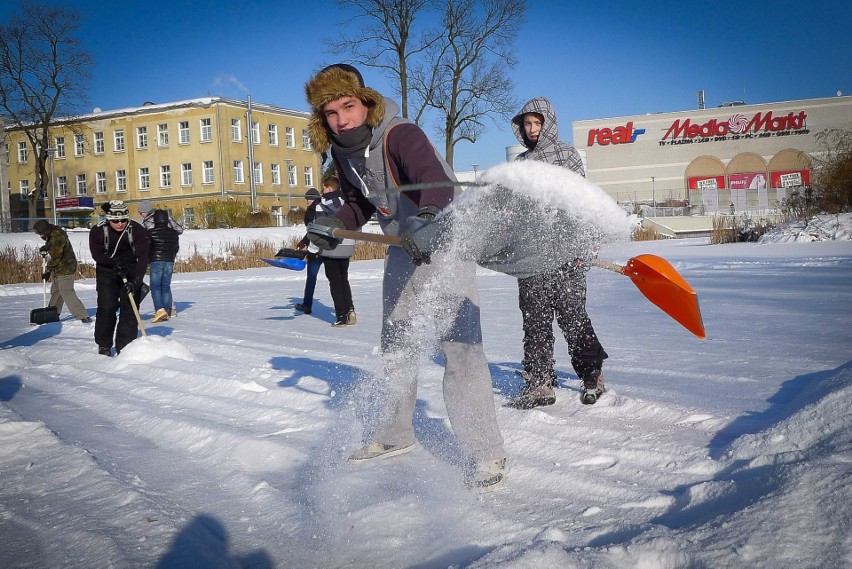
(487, 476)
(377, 450)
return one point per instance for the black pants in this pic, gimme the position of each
(337, 273)
(112, 299)
(562, 294)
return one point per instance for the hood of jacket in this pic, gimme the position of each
(548, 148)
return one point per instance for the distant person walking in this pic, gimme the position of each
(312, 196)
(165, 243)
(62, 266)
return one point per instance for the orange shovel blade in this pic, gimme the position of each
(663, 285)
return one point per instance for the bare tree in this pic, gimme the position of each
(386, 42)
(465, 77)
(43, 71)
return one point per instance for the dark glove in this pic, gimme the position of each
(45, 276)
(130, 286)
(310, 257)
(43, 249)
(120, 268)
(422, 235)
(319, 232)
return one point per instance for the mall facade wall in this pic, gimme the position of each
(736, 157)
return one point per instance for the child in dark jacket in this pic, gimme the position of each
(165, 243)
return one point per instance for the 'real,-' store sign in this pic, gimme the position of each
(736, 127)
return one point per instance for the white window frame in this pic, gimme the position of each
(81, 184)
(163, 135)
(79, 145)
(118, 144)
(258, 172)
(306, 140)
(121, 181)
(275, 174)
(144, 178)
(100, 145)
(23, 153)
(291, 175)
(24, 186)
(236, 130)
(290, 136)
(208, 173)
(183, 132)
(239, 176)
(62, 186)
(100, 183)
(272, 131)
(165, 176)
(309, 176)
(186, 174)
(255, 133)
(141, 137)
(206, 129)
(59, 144)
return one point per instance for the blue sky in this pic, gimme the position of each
(592, 59)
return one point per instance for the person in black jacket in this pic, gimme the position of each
(119, 247)
(165, 242)
(312, 196)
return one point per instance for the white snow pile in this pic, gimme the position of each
(534, 217)
(824, 227)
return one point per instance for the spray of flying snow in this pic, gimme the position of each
(533, 217)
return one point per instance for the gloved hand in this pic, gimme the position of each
(130, 285)
(43, 250)
(422, 235)
(325, 242)
(45, 276)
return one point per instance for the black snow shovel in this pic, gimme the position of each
(47, 313)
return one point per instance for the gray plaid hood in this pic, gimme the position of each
(549, 148)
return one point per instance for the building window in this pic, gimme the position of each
(99, 143)
(165, 176)
(206, 130)
(81, 184)
(141, 137)
(183, 132)
(62, 186)
(291, 175)
(238, 172)
(306, 140)
(121, 181)
(290, 136)
(275, 170)
(186, 174)
(162, 135)
(258, 172)
(100, 182)
(118, 140)
(236, 130)
(25, 190)
(255, 133)
(189, 214)
(207, 172)
(273, 135)
(79, 145)
(144, 179)
(59, 143)
(309, 176)
(23, 153)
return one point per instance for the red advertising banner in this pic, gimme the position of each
(790, 178)
(706, 182)
(747, 181)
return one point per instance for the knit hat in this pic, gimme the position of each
(145, 206)
(41, 227)
(117, 211)
(312, 194)
(333, 82)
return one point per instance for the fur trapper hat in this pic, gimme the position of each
(333, 82)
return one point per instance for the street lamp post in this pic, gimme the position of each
(653, 196)
(475, 167)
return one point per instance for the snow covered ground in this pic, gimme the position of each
(220, 439)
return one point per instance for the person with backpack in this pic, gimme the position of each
(63, 267)
(165, 243)
(119, 247)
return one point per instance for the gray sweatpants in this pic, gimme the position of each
(62, 292)
(422, 304)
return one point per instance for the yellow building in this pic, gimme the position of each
(176, 155)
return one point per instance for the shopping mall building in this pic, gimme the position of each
(739, 157)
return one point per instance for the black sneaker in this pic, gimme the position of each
(105, 352)
(86, 320)
(341, 322)
(303, 308)
(593, 388)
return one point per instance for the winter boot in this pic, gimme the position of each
(593, 388)
(351, 319)
(160, 316)
(487, 476)
(377, 450)
(303, 308)
(534, 394)
(105, 351)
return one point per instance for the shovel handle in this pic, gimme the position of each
(608, 266)
(364, 236)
